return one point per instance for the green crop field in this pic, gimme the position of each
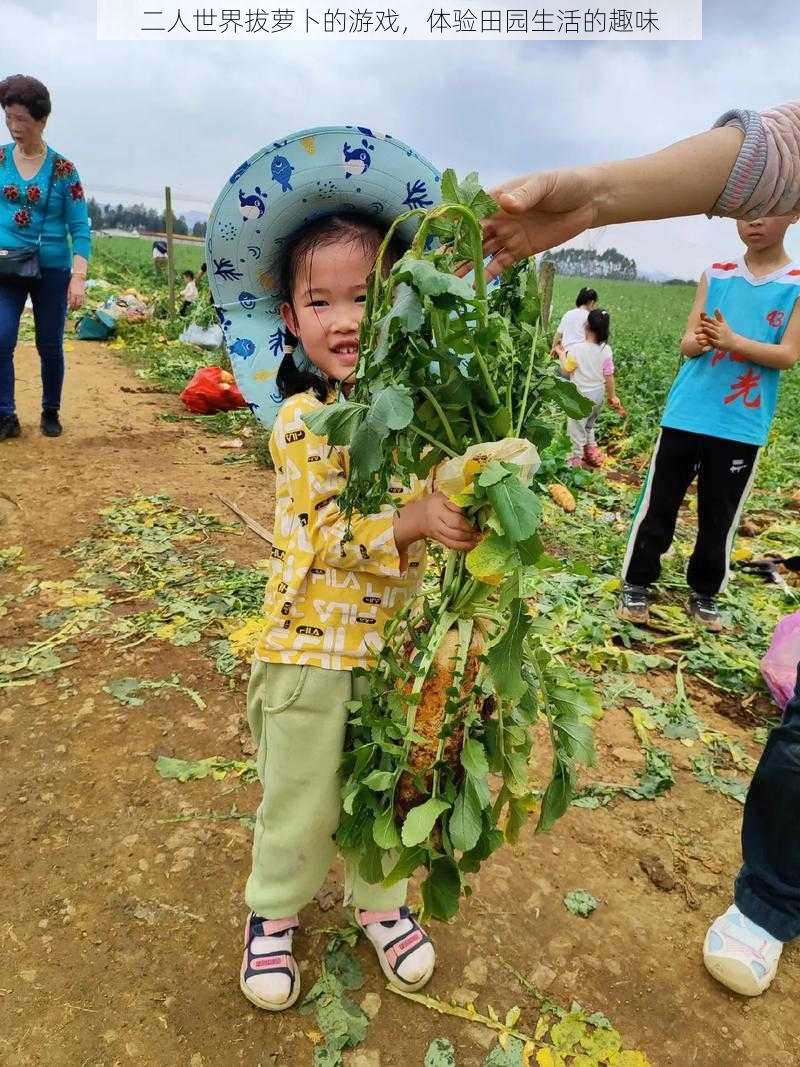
(118, 259)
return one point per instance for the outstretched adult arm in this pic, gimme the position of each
(748, 166)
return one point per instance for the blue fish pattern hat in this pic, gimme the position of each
(291, 182)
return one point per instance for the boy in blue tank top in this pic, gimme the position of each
(743, 330)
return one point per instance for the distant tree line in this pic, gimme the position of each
(587, 263)
(138, 217)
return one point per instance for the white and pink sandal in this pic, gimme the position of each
(404, 950)
(269, 977)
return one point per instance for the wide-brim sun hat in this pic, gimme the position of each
(292, 181)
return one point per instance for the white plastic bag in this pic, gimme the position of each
(455, 475)
(203, 337)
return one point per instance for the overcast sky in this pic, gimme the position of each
(137, 116)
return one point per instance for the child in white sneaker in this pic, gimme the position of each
(743, 947)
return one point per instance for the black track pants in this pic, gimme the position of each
(725, 471)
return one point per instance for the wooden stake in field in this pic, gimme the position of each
(170, 254)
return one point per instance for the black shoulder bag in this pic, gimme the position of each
(23, 264)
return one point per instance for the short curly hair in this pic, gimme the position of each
(27, 91)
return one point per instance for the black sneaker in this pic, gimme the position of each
(9, 427)
(704, 609)
(634, 604)
(51, 427)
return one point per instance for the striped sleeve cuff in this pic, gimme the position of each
(749, 166)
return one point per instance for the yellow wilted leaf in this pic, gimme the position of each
(629, 1059)
(144, 507)
(315, 1037)
(542, 1026)
(493, 1014)
(465, 498)
(602, 1043)
(568, 1032)
(611, 586)
(512, 1017)
(642, 724)
(548, 1057)
(741, 554)
(491, 560)
(243, 640)
(81, 600)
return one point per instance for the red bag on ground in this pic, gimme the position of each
(212, 389)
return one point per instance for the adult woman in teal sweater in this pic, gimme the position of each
(41, 200)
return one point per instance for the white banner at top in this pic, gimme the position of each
(400, 20)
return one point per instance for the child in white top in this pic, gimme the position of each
(572, 328)
(189, 292)
(590, 367)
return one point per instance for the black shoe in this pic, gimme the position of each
(9, 427)
(634, 604)
(704, 609)
(51, 427)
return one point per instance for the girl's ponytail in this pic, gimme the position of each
(599, 322)
(290, 379)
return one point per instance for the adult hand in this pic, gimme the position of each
(76, 294)
(536, 213)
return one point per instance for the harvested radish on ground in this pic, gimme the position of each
(562, 496)
(454, 385)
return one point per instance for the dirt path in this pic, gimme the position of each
(120, 927)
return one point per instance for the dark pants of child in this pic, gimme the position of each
(725, 471)
(768, 886)
(185, 307)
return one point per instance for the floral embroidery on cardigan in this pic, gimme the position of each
(11, 192)
(22, 217)
(62, 168)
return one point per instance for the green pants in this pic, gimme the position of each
(298, 716)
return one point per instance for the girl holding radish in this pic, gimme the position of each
(336, 581)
